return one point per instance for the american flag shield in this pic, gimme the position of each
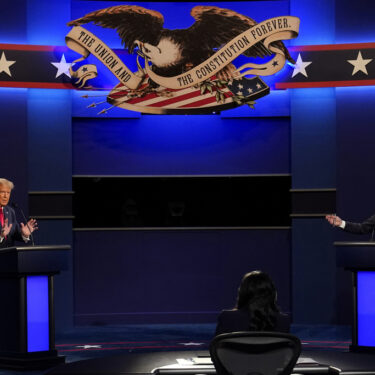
(210, 96)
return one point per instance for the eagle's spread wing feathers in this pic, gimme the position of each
(217, 26)
(132, 23)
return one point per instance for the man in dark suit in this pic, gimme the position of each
(10, 230)
(359, 228)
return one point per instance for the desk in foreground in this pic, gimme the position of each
(203, 365)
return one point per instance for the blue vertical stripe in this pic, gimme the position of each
(37, 313)
(366, 308)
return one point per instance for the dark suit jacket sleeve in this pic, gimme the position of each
(361, 228)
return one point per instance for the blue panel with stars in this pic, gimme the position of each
(330, 66)
(248, 88)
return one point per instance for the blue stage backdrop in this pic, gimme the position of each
(171, 276)
(204, 265)
(242, 143)
(181, 145)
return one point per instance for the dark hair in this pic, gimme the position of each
(257, 294)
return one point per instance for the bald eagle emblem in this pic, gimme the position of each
(188, 70)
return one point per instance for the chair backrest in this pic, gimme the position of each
(255, 353)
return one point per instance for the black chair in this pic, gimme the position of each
(255, 353)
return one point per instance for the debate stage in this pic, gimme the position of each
(177, 363)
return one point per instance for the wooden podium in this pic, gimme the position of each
(359, 258)
(27, 339)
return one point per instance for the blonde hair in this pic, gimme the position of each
(5, 182)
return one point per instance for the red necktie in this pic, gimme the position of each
(1, 217)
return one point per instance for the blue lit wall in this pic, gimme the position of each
(355, 162)
(331, 138)
(239, 141)
(14, 22)
(323, 137)
(48, 150)
(13, 141)
(194, 260)
(358, 29)
(355, 137)
(313, 166)
(313, 118)
(313, 148)
(36, 131)
(317, 21)
(178, 145)
(49, 118)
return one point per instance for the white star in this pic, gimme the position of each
(300, 66)
(88, 346)
(250, 89)
(239, 93)
(62, 67)
(191, 343)
(5, 64)
(259, 86)
(359, 64)
(240, 86)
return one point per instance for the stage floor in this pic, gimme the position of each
(90, 348)
(330, 362)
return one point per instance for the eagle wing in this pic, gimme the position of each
(131, 22)
(216, 26)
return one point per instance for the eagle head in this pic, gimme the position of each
(166, 54)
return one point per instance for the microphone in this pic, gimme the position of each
(15, 205)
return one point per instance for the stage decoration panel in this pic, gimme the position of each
(330, 65)
(193, 59)
(337, 65)
(183, 71)
(32, 66)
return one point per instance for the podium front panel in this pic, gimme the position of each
(366, 308)
(37, 316)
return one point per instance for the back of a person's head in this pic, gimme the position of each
(257, 295)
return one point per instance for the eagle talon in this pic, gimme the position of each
(227, 73)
